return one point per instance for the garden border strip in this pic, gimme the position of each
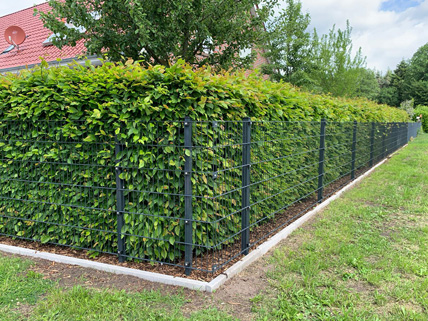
(189, 283)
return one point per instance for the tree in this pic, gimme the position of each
(399, 81)
(415, 82)
(161, 31)
(335, 70)
(289, 44)
(388, 93)
(367, 84)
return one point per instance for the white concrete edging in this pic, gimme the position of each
(149, 276)
(189, 283)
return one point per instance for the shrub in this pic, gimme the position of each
(58, 131)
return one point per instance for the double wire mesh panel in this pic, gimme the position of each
(192, 194)
(49, 192)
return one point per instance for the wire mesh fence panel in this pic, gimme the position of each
(47, 190)
(218, 155)
(363, 146)
(413, 129)
(152, 174)
(284, 171)
(191, 194)
(338, 154)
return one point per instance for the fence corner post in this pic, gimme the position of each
(321, 160)
(354, 146)
(120, 201)
(372, 134)
(188, 209)
(245, 190)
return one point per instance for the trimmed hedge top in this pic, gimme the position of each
(128, 91)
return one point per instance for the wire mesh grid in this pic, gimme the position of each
(192, 194)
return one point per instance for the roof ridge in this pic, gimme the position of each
(33, 6)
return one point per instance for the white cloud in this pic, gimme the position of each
(385, 37)
(16, 5)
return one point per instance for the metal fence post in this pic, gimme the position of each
(321, 161)
(372, 144)
(120, 201)
(354, 146)
(188, 209)
(246, 163)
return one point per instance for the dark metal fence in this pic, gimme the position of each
(193, 194)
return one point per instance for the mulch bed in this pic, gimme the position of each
(226, 254)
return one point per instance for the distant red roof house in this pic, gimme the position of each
(35, 47)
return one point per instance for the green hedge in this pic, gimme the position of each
(113, 94)
(56, 120)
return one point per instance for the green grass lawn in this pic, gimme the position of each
(20, 287)
(25, 295)
(364, 258)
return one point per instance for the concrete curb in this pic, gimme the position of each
(189, 283)
(149, 276)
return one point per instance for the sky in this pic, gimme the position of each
(386, 30)
(15, 5)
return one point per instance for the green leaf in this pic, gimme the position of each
(45, 238)
(171, 240)
(96, 113)
(90, 138)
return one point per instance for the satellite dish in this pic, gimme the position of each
(14, 35)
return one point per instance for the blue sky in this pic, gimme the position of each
(386, 30)
(398, 5)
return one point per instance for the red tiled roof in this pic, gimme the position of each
(32, 49)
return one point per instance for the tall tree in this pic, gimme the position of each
(161, 31)
(289, 44)
(322, 64)
(367, 84)
(336, 70)
(399, 81)
(388, 93)
(416, 78)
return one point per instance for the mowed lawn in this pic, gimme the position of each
(364, 258)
